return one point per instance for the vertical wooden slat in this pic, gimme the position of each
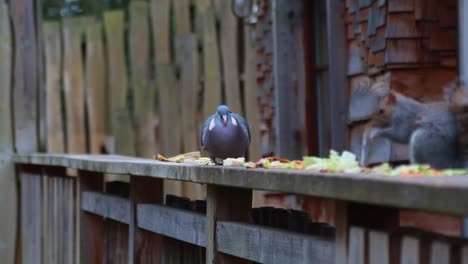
(92, 226)
(45, 219)
(356, 253)
(211, 59)
(409, 250)
(160, 19)
(8, 194)
(55, 235)
(337, 74)
(74, 85)
(144, 247)
(182, 17)
(143, 93)
(42, 105)
(53, 60)
(379, 250)
(341, 223)
(440, 253)
(25, 76)
(230, 56)
(96, 88)
(225, 204)
(286, 16)
(31, 215)
(121, 124)
(464, 254)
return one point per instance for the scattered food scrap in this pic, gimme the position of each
(335, 163)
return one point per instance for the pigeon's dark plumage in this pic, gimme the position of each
(225, 135)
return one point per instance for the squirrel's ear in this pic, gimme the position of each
(392, 98)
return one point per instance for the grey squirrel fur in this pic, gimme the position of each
(429, 129)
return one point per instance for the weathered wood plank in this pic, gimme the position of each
(464, 254)
(180, 224)
(342, 234)
(224, 204)
(169, 112)
(96, 88)
(409, 250)
(73, 79)
(400, 6)
(8, 188)
(286, 67)
(379, 250)
(117, 73)
(252, 113)
(356, 245)
(211, 59)
(25, 76)
(337, 74)
(92, 230)
(440, 253)
(143, 92)
(31, 215)
(160, 20)
(144, 247)
(106, 205)
(230, 56)
(182, 17)
(367, 188)
(268, 245)
(55, 138)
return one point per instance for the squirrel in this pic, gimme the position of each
(429, 129)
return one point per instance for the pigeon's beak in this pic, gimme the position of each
(224, 117)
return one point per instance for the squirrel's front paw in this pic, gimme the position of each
(374, 133)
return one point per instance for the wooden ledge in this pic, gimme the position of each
(436, 194)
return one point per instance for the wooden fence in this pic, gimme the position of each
(131, 223)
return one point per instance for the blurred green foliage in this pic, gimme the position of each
(55, 9)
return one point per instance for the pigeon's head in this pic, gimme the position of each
(223, 114)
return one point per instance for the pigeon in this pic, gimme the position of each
(225, 135)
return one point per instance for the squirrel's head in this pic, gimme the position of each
(383, 112)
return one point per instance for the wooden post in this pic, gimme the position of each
(341, 223)
(337, 74)
(8, 187)
(92, 226)
(144, 246)
(225, 203)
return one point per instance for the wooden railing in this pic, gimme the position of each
(137, 227)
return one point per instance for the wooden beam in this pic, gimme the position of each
(268, 245)
(224, 204)
(366, 188)
(180, 224)
(338, 95)
(106, 205)
(144, 247)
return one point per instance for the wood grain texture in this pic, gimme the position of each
(181, 9)
(180, 224)
(144, 247)
(121, 127)
(73, 79)
(31, 215)
(211, 60)
(341, 223)
(160, 20)
(96, 87)
(366, 188)
(54, 115)
(252, 113)
(440, 253)
(106, 205)
(25, 76)
(224, 204)
(268, 245)
(230, 56)
(143, 91)
(8, 188)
